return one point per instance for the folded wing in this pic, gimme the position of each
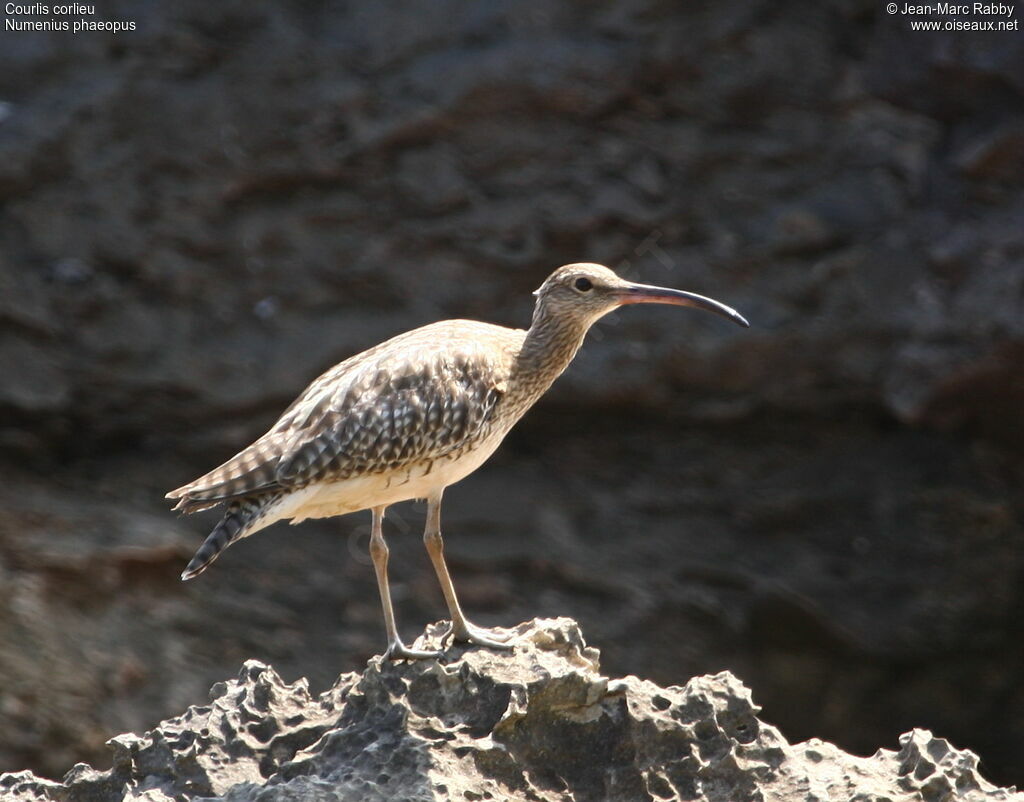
(377, 412)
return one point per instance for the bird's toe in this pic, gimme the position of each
(399, 651)
(469, 633)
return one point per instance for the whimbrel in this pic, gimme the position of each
(406, 419)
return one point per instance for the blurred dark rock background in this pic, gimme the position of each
(198, 217)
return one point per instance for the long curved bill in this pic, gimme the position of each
(646, 294)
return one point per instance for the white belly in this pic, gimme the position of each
(423, 480)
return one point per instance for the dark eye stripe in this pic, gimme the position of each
(583, 284)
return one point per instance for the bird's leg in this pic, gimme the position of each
(462, 630)
(379, 554)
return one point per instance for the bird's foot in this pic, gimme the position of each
(399, 651)
(470, 633)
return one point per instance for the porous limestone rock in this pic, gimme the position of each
(537, 723)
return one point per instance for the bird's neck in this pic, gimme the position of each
(549, 346)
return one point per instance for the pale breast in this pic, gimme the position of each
(421, 480)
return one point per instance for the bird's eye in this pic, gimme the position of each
(583, 284)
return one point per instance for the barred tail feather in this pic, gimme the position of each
(239, 520)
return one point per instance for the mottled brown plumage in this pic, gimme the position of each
(407, 418)
(419, 396)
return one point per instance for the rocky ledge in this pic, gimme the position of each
(539, 723)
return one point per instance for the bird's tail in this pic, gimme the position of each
(241, 519)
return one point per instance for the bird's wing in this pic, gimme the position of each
(378, 411)
(408, 412)
(249, 472)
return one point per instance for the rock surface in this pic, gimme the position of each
(541, 723)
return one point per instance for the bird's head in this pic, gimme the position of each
(586, 292)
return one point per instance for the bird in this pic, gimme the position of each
(406, 419)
